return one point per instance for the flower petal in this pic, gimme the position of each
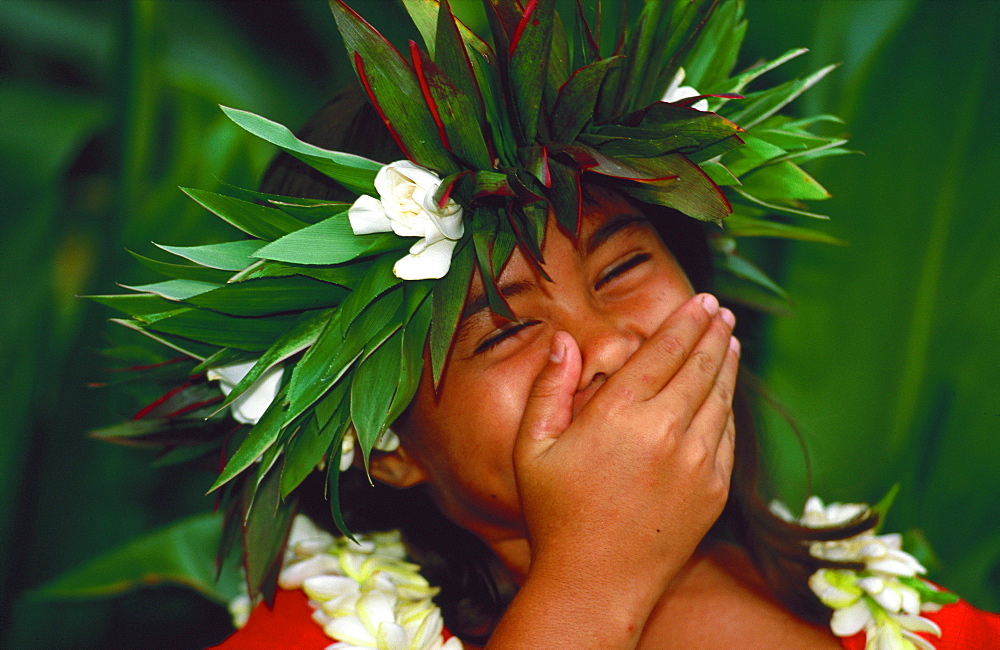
(368, 216)
(391, 637)
(430, 263)
(850, 620)
(295, 574)
(351, 630)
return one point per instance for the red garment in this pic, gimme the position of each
(963, 627)
(289, 626)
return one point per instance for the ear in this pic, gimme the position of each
(396, 468)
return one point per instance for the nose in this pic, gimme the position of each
(606, 342)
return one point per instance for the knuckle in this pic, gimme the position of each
(705, 362)
(670, 346)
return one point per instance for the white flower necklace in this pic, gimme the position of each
(364, 595)
(886, 598)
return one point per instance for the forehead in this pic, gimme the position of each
(603, 215)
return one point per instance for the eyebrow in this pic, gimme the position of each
(606, 231)
(610, 228)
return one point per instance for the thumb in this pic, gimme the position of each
(549, 409)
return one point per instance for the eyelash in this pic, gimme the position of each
(627, 265)
(505, 334)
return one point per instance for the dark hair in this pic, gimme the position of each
(475, 587)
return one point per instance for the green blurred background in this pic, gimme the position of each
(888, 361)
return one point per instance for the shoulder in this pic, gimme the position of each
(721, 601)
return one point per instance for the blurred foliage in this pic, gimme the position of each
(888, 363)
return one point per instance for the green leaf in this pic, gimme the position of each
(739, 225)
(448, 299)
(781, 182)
(353, 172)
(266, 523)
(412, 359)
(884, 504)
(255, 220)
(377, 280)
(250, 334)
(182, 553)
(774, 207)
(692, 192)
(268, 296)
(394, 90)
(328, 242)
(135, 305)
(193, 349)
(743, 268)
(262, 436)
(183, 271)
(229, 256)
(449, 52)
(175, 290)
(574, 105)
(485, 222)
(309, 446)
(372, 391)
(758, 106)
(346, 275)
(452, 107)
(529, 61)
(297, 339)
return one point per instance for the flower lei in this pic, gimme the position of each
(364, 594)
(886, 598)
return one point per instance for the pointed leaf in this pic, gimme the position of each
(250, 334)
(255, 220)
(693, 192)
(229, 256)
(175, 289)
(266, 524)
(353, 172)
(448, 299)
(452, 110)
(372, 391)
(262, 436)
(529, 59)
(268, 296)
(183, 271)
(182, 553)
(449, 52)
(574, 106)
(303, 334)
(328, 242)
(393, 89)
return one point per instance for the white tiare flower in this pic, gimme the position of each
(250, 406)
(388, 441)
(874, 599)
(364, 594)
(406, 206)
(676, 92)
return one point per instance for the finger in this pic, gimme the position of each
(549, 409)
(665, 352)
(715, 411)
(691, 386)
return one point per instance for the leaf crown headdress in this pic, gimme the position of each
(497, 135)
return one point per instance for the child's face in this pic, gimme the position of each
(610, 291)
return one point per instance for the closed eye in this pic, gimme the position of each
(622, 268)
(503, 335)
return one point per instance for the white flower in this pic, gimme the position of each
(250, 406)
(676, 92)
(364, 594)
(406, 206)
(388, 441)
(874, 599)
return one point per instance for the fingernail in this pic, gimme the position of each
(558, 351)
(734, 345)
(727, 317)
(710, 303)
